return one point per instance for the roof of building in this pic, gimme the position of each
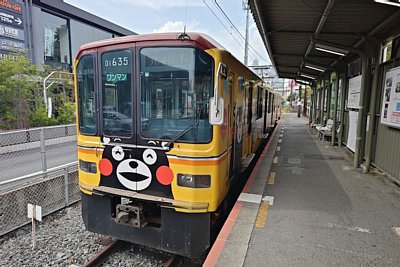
(59, 6)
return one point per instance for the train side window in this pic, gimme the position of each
(259, 103)
(270, 103)
(86, 96)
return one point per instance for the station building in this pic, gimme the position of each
(50, 32)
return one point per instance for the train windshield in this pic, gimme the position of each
(176, 85)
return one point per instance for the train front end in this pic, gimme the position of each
(152, 169)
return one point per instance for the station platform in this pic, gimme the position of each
(304, 205)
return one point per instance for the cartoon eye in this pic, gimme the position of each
(149, 156)
(118, 153)
(106, 140)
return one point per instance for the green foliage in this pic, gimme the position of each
(66, 113)
(38, 118)
(21, 96)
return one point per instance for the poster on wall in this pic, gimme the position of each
(351, 138)
(48, 42)
(353, 96)
(390, 114)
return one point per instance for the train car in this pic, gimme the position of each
(166, 123)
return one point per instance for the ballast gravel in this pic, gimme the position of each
(62, 240)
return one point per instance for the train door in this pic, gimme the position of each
(236, 124)
(118, 123)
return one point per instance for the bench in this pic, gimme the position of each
(324, 130)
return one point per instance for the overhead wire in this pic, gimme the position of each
(236, 29)
(216, 16)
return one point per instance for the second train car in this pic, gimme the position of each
(165, 123)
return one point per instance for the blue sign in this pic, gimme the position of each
(11, 19)
(11, 32)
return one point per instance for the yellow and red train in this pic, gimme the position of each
(165, 123)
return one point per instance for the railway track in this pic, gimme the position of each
(104, 254)
(113, 246)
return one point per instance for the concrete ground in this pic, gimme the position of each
(308, 207)
(325, 213)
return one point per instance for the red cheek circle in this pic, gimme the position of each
(105, 167)
(164, 175)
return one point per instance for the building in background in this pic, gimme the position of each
(50, 32)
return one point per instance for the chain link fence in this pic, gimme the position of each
(25, 152)
(38, 166)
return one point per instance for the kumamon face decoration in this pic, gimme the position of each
(135, 168)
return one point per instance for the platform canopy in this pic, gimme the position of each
(292, 30)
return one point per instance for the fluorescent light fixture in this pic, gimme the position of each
(302, 81)
(307, 76)
(313, 67)
(331, 49)
(389, 2)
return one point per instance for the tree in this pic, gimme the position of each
(18, 77)
(21, 96)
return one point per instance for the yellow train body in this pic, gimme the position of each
(249, 109)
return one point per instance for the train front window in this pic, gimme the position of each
(176, 85)
(86, 96)
(117, 93)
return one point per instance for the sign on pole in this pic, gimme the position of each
(34, 213)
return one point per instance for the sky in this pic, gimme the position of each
(150, 16)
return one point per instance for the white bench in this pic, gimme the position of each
(324, 130)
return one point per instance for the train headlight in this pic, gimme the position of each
(87, 166)
(194, 181)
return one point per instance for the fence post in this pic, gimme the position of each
(66, 187)
(43, 150)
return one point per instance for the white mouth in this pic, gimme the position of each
(140, 175)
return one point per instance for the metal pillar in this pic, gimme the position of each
(372, 108)
(322, 101)
(342, 103)
(335, 109)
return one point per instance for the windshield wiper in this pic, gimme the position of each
(179, 135)
(195, 124)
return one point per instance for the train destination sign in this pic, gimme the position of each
(11, 19)
(11, 32)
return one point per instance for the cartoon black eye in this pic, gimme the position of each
(118, 153)
(149, 156)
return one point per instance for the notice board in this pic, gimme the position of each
(390, 114)
(353, 95)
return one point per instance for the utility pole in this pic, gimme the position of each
(246, 42)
